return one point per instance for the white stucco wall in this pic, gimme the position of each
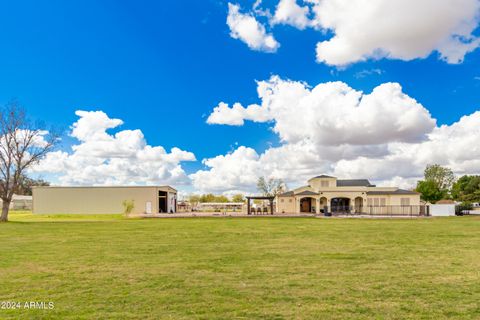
(442, 210)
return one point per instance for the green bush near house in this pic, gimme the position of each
(464, 207)
(111, 267)
(128, 206)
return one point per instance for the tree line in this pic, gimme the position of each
(265, 186)
(210, 197)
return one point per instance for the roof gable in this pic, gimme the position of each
(307, 193)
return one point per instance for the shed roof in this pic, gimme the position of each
(105, 187)
(445, 201)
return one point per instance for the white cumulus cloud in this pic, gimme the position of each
(455, 146)
(290, 13)
(396, 29)
(358, 30)
(245, 27)
(236, 170)
(333, 113)
(123, 158)
(236, 115)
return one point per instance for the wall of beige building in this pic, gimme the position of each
(286, 205)
(396, 200)
(99, 200)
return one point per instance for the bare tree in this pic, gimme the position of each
(26, 184)
(271, 187)
(22, 145)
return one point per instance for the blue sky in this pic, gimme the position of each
(162, 67)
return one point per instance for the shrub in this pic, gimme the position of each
(128, 206)
(464, 207)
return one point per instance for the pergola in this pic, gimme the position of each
(270, 198)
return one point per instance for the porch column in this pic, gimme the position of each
(317, 207)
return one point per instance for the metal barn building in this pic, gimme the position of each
(102, 200)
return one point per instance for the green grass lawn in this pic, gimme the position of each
(108, 267)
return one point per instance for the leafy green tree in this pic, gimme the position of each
(207, 197)
(466, 205)
(271, 187)
(436, 184)
(443, 177)
(429, 191)
(238, 198)
(210, 197)
(220, 198)
(467, 188)
(194, 198)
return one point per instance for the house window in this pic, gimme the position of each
(290, 200)
(405, 201)
(281, 200)
(324, 184)
(377, 202)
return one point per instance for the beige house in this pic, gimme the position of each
(99, 200)
(329, 194)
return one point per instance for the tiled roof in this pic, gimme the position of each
(286, 194)
(354, 183)
(322, 176)
(398, 191)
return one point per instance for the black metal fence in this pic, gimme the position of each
(376, 210)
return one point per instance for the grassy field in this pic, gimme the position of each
(108, 267)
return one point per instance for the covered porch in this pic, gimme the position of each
(265, 209)
(309, 202)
